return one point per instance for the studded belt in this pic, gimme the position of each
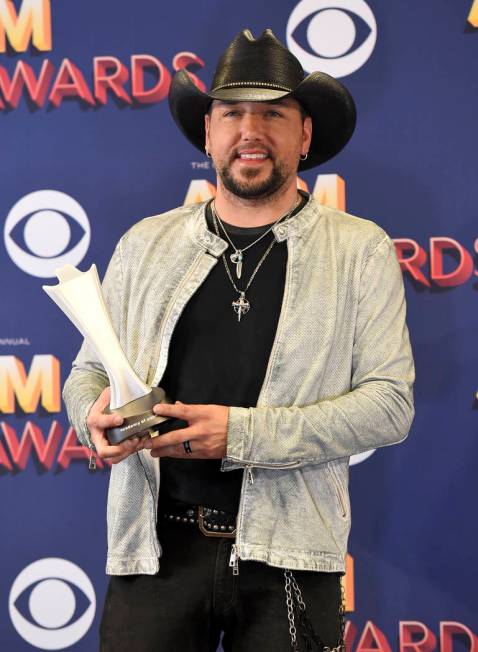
(211, 522)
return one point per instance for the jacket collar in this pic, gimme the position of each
(215, 245)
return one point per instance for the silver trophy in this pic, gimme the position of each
(80, 297)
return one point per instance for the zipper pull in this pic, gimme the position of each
(234, 560)
(92, 459)
(249, 475)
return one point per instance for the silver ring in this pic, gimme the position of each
(187, 446)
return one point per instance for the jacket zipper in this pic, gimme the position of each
(247, 476)
(235, 549)
(234, 560)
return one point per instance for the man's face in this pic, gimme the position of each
(256, 145)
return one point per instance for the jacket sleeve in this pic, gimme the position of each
(88, 377)
(376, 411)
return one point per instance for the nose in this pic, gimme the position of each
(251, 127)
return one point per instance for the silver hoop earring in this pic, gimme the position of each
(303, 157)
(208, 154)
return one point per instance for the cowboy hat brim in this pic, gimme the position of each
(325, 99)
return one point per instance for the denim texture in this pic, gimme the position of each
(339, 381)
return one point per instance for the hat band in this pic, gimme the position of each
(253, 84)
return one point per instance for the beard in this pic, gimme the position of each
(247, 187)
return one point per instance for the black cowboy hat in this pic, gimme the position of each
(258, 70)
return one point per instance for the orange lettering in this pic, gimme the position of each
(32, 23)
(473, 15)
(329, 190)
(43, 381)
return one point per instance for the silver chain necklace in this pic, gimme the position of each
(242, 306)
(238, 254)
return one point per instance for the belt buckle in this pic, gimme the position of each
(208, 533)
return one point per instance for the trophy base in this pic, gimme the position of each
(139, 418)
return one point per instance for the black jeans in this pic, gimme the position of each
(195, 597)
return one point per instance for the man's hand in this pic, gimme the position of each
(98, 422)
(206, 432)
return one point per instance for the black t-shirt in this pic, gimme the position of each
(215, 358)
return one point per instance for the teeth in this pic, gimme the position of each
(254, 156)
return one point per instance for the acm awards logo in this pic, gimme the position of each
(32, 24)
(31, 391)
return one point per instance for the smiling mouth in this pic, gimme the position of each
(253, 157)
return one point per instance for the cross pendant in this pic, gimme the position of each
(241, 306)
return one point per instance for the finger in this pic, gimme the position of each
(178, 410)
(128, 448)
(102, 445)
(174, 437)
(105, 421)
(106, 451)
(131, 445)
(144, 442)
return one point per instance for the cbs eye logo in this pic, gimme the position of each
(45, 230)
(333, 36)
(57, 615)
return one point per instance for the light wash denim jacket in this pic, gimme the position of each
(338, 382)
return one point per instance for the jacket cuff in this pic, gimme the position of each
(80, 427)
(79, 398)
(237, 436)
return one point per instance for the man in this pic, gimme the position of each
(277, 329)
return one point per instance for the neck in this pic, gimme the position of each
(253, 212)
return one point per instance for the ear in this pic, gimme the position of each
(306, 134)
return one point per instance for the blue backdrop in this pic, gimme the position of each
(83, 114)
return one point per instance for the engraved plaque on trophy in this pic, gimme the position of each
(80, 297)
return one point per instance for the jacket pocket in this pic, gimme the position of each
(339, 490)
(263, 465)
(275, 465)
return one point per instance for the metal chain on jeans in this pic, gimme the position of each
(342, 617)
(290, 610)
(295, 601)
